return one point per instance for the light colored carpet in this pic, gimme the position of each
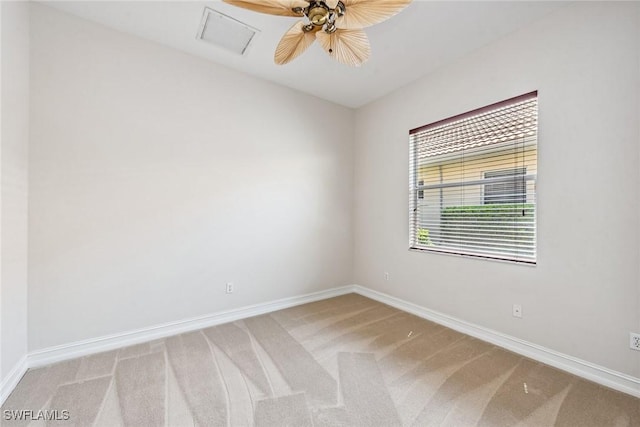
(345, 361)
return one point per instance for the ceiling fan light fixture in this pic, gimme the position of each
(336, 24)
(318, 14)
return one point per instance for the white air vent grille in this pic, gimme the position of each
(226, 32)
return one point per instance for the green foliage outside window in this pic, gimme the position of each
(488, 226)
(423, 237)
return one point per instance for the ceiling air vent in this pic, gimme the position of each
(225, 32)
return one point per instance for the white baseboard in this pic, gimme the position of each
(590, 371)
(59, 353)
(15, 375)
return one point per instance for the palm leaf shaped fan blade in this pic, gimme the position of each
(365, 13)
(336, 24)
(293, 43)
(350, 47)
(272, 7)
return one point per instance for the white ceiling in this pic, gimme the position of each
(426, 35)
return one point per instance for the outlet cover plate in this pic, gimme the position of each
(634, 341)
(517, 310)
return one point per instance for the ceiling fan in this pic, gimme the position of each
(336, 24)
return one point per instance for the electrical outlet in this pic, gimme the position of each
(634, 341)
(229, 288)
(517, 310)
(386, 276)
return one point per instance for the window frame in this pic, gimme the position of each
(529, 206)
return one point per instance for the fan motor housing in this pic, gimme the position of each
(318, 14)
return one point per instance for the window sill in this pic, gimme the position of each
(476, 257)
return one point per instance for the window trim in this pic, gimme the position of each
(415, 188)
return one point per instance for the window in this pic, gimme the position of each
(513, 190)
(473, 182)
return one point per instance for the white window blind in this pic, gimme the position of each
(473, 182)
(513, 190)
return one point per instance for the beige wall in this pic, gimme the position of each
(14, 122)
(156, 177)
(584, 62)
